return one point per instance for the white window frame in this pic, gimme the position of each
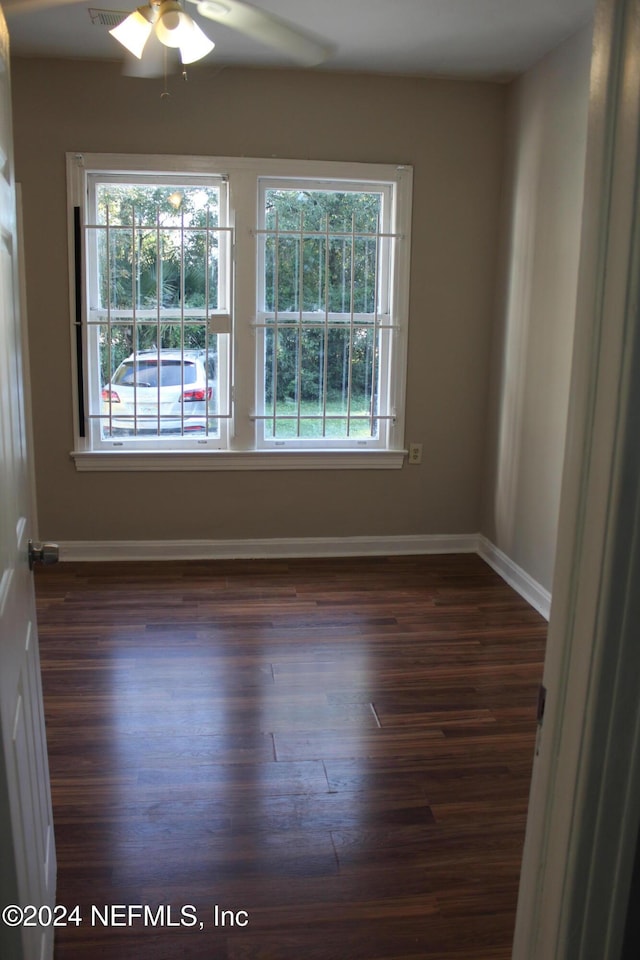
(244, 447)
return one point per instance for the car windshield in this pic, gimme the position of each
(173, 373)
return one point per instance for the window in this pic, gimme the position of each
(232, 313)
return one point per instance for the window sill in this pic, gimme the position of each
(170, 461)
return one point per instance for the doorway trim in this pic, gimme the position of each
(584, 807)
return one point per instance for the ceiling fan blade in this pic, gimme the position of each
(267, 28)
(32, 6)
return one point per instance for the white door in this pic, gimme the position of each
(27, 854)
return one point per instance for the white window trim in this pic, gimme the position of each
(242, 452)
(108, 461)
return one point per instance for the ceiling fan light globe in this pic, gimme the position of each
(173, 25)
(133, 32)
(196, 46)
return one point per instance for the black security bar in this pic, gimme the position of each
(77, 241)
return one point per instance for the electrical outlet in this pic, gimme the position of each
(415, 453)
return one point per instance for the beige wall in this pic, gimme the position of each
(542, 208)
(451, 132)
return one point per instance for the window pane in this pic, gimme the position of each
(301, 273)
(148, 205)
(312, 209)
(309, 403)
(315, 284)
(159, 250)
(161, 392)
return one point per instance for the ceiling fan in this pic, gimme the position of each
(161, 24)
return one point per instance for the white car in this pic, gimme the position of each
(160, 392)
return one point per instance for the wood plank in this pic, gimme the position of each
(340, 747)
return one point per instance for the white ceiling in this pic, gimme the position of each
(493, 39)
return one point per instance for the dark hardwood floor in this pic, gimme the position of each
(340, 748)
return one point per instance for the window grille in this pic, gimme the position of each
(158, 318)
(325, 325)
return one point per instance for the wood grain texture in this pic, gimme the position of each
(342, 748)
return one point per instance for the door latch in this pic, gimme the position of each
(542, 699)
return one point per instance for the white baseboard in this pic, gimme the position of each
(515, 576)
(528, 588)
(264, 549)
